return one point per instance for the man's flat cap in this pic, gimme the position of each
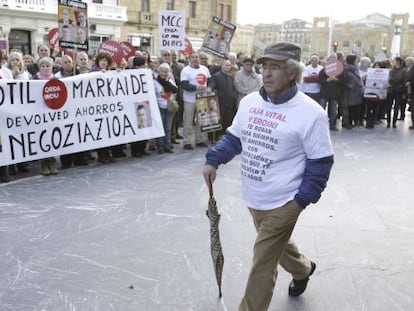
(281, 51)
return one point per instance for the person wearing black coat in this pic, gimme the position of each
(409, 84)
(223, 84)
(331, 92)
(396, 90)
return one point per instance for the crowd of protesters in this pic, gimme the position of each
(343, 95)
(231, 78)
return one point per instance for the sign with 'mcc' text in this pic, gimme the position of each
(171, 25)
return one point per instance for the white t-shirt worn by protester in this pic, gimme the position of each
(311, 87)
(276, 140)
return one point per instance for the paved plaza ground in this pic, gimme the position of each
(134, 236)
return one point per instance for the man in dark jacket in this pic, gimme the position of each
(331, 92)
(409, 84)
(223, 83)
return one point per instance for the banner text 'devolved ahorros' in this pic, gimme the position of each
(46, 118)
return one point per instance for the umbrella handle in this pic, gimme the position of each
(210, 189)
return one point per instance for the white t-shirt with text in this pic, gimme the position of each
(276, 141)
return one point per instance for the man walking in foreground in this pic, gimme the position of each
(286, 158)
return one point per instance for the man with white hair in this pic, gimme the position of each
(42, 51)
(285, 165)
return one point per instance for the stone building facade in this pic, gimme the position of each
(370, 36)
(141, 29)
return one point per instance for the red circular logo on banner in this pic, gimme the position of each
(53, 37)
(201, 79)
(128, 49)
(55, 94)
(113, 48)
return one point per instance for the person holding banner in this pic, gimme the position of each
(15, 69)
(103, 62)
(78, 158)
(165, 90)
(4, 170)
(48, 165)
(194, 78)
(138, 148)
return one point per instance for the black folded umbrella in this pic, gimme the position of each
(216, 250)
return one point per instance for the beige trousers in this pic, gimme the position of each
(191, 131)
(273, 246)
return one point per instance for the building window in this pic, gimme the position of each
(228, 15)
(193, 9)
(94, 42)
(97, 1)
(145, 6)
(170, 4)
(20, 39)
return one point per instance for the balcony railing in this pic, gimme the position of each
(49, 6)
(95, 10)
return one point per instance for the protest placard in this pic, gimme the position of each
(208, 111)
(334, 68)
(73, 25)
(218, 37)
(171, 30)
(376, 84)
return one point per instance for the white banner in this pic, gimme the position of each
(171, 30)
(46, 118)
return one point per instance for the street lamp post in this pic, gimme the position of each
(331, 26)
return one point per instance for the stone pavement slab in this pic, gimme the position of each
(134, 236)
